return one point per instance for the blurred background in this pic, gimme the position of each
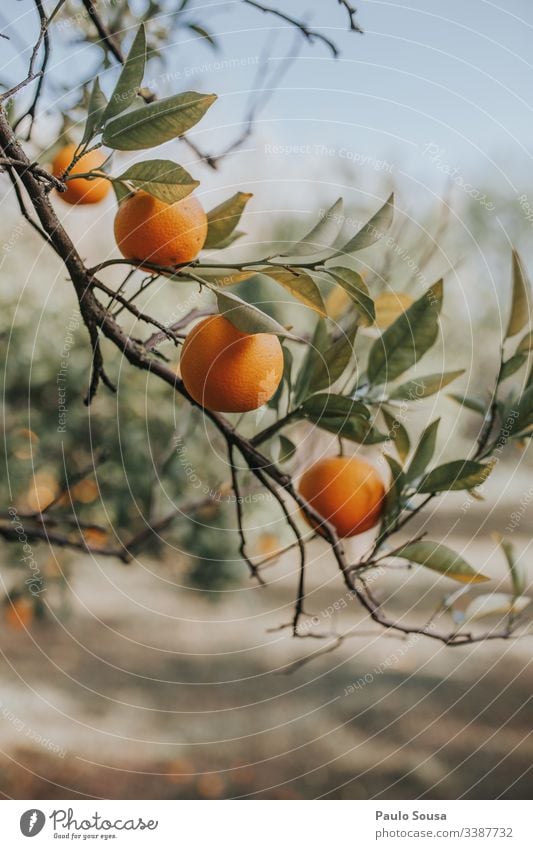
(167, 677)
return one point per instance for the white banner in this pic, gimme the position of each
(267, 824)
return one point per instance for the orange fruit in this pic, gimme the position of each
(149, 230)
(81, 190)
(19, 613)
(228, 371)
(346, 491)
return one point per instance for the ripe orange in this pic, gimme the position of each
(228, 371)
(18, 613)
(81, 190)
(149, 230)
(346, 491)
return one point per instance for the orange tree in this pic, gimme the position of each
(239, 357)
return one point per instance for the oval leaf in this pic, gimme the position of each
(223, 219)
(424, 451)
(407, 339)
(423, 387)
(459, 474)
(520, 299)
(441, 559)
(299, 284)
(161, 178)
(157, 122)
(247, 318)
(130, 78)
(398, 434)
(322, 234)
(354, 286)
(372, 231)
(95, 111)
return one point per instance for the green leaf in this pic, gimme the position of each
(517, 579)
(286, 380)
(525, 411)
(322, 234)
(424, 451)
(407, 339)
(398, 434)
(130, 78)
(161, 178)
(310, 361)
(496, 604)
(95, 111)
(520, 299)
(470, 403)
(328, 367)
(330, 404)
(343, 416)
(512, 365)
(372, 231)
(223, 219)
(157, 122)
(299, 284)
(247, 318)
(441, 559)
(121, 191)
(354, 285)
(393, 499)
(287, 449)
(423, 387)
(203, 33)
(459, 474)
(526, 344)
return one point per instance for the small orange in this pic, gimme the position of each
(346, 491)
(228, 371)
(19, 612)
(81, 190)
(149, 230)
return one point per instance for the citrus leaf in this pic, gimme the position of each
(525, 411)
(423, 387)
(496, 604)
(389, 306)
(520, 299)
(157, 122)
(354, 285)
(300, 285)
(310, 361)
(95, 111)
(393, 499)
(203, 33)
(328, 367)
(398, 434)
(121, 191)
(223, 219)
(130, 78)
(286, 380)
(402, 344)
(287, 449)
(517, 579)
(441, 559)
(470, 403)
(372, 231)
(322, 234)
(330, 404)
(247, 318)
(161, 178)
(526, 344)
(512, 365)
(424, 451)
(459, 474)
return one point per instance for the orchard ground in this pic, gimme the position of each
(124, 700)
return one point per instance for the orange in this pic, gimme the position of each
(228, 371)
(149, 230)
(346, 491)
(19, 612)
(81, 190)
